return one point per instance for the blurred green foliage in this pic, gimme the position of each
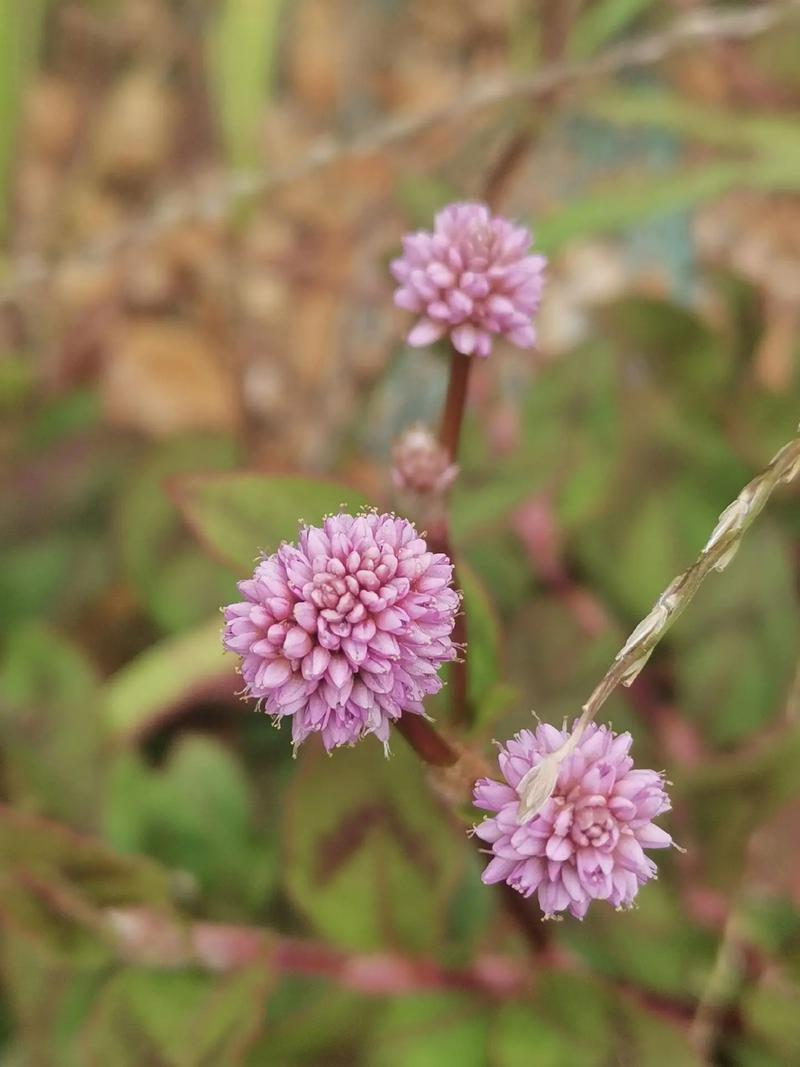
(134, 782)
(242, 47)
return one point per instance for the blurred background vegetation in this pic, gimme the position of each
(194, 284)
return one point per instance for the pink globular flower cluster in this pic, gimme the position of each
(472, 278)
(346, 631)
(587, 842)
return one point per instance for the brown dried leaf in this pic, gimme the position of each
(165, 377)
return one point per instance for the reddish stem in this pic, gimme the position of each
(455, 403)
(157, 939)
(450, 436)
(428, 744)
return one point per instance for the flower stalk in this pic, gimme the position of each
(428, 743)
(455, 403)
(449, 437)
(148, 937)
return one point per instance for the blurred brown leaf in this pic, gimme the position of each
(162, 377)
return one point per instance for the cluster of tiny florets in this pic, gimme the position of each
(472, 278)
(587, 841)
(345, 631)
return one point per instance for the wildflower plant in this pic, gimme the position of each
(346, 631)
(414, 759)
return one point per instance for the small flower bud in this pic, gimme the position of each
(421, 464)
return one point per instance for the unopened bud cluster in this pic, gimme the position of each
(421, 464)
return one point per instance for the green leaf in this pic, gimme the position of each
(63, 416)
(750, 1053)
(736, 647)
(422, 195)
(237, 516)
(48, 999)
(17, 381)
(770, 1011)
(766, 422)
(370, 858)
(243, 45)
(767, 134)
(483, 637)
(554, 665)
(51, 576)
(477, 508)
(571, 430)
(178, 585)
(45, 848)
(570, 446)
(500, 561)
(651, 532)
(55, 884)
(652, 1041)
(429, 1031)
(517, 1031)
(176, 1020)
(605, 942)
(608, 1028)
(593, 1028)
(602, 22)
(51, 728)
(166, 677)
(311, 1021)
(195, 814)
(724, 792)
(683, 352)
(20, 35)
(471, 914)
(628, 200)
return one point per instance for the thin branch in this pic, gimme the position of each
(217, 198)
(148, 937)
(450, 436)
(153, 939)
(719, 550)
(427, 742)
(455, 403)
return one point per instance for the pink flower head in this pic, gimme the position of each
(470, 278)
(347, 630)
(587, 841)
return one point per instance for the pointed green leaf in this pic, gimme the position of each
(237, 516)
(167, 676)
(370, 857)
